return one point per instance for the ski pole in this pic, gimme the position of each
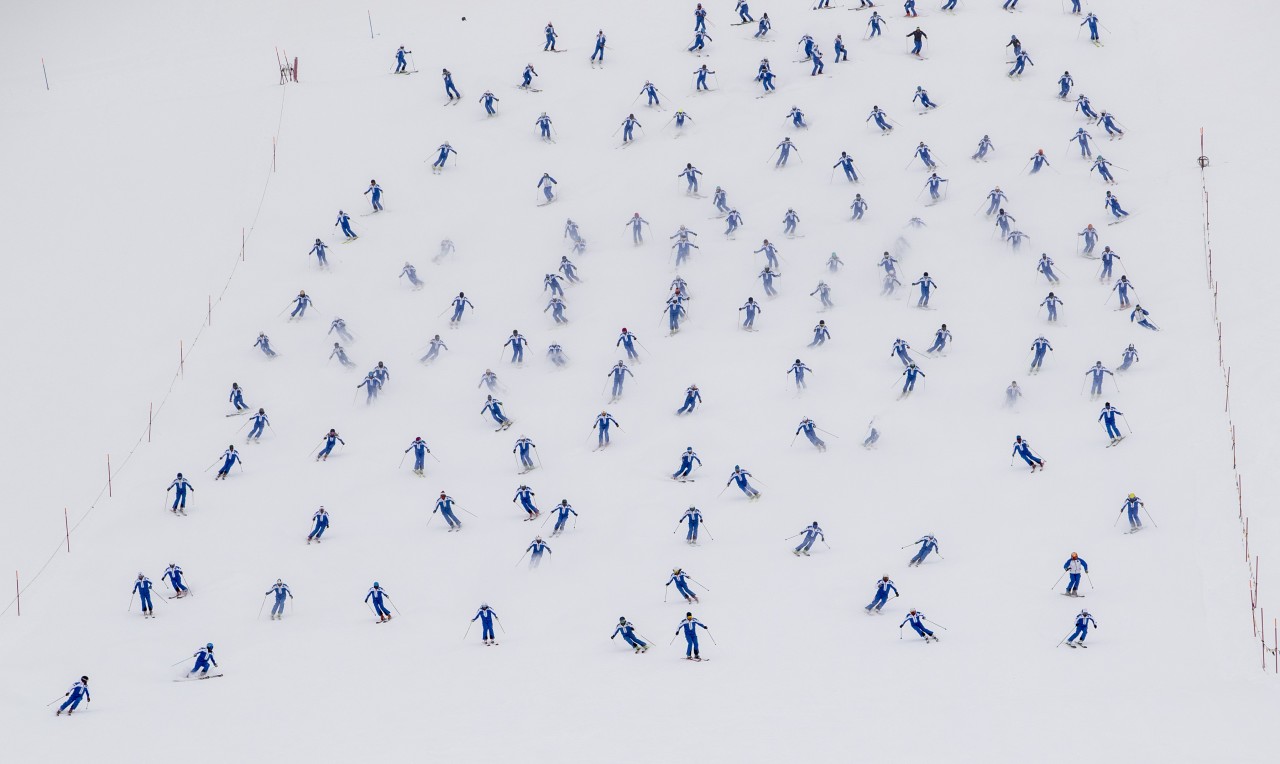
(722, 490)
(699, 583)
(1055, 583)
(1149, 517)
(1126, 423)
(713, 639)
(469, 512)
(673, 638)
(468, 631)
(181, 660)
(130, 609)
(406, 453)
(1086, 575)
(1064, 639)
(500, 626)
(260, 607)
(832, 434)
(393, 605)
(522, 560)
(708, 530)
(1118, 514)
(935, 623)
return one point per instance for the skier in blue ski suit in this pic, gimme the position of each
(179, 486)
(174, 574)
(628, 632)
(686, 464)
(1074, 566)
(444, 505)
(321, 521)
(525, 496)
(690, 625)
(281, 590)
(1082, 628)
(78, 692)
(562, 510)
(927, 544)
(811, 533)
(344, 220)
(377, 593)
(694, 518)
(602, 426)
(1108, 418)
(374, 191)
(691, 399)
(916, 619)
(680, 579)
(204, 658)
(799, 369)
(1023, 449)
(524, 446)
(330, 439)
(486, 615)
(420, 451)
(1132, 504)
(883, 587)
(809, 428)
(301, 303)
(143, 589)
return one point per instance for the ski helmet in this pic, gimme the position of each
(209, 646)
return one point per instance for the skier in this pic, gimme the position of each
(764, 26)
(545, 183)
(785, 149)
(680, 579)
(909, 384)
(321, 524)
(494, 407)
(401, 64)
(420, 451)
(179, 486)
(1139, 315)
(770, 254)
(883, 587)
(996, 197)
(517, 343)
(556, 306)
(525, 496)
(686, 465)
(1052, 302)
(628, 126)
(693, 517)
(919, 36)
(1074, 566)
(556, 355)
(834, 263)
(1103, 168)
(619, 373)
(1039, 346)
(922, 151)
(260, 422)
(1090, 235)
(674, 311)
(927, 544)
(378, 594)
(859, 206)
(701, 83)
(1065, 82)
(820, 334)
(1045, 266)
(842, 53)
(330, 439)
(562, 510)
(486, 615)
(489, 99)
(627, 340)
(237, 398)
(881, 119)
(1108, 418)
(538, 547)
(916, 620)
(551, 38)
(789, 222)
(940, 339)
(733, 219)
(444, 505)
(1038, 161)
(1020, 62)
(811, 533)
(690, 625)
(637, 224)
(900, 348)
(922, 96)
(1108, 258)
(524, 446)
(280, 589)
(1122, 288)
(301, 303)
(602, 427)
(875, 21)
(444, 150)
(344, 220)
(599, 49)
(740, 476)
(569, 269)
(78, 692)
(1132, 504)
(752, 307)
(204, 658)
(799, 369)
(1129, 357)
(1082, 137)
(691, 399)
(371, 385)
(340, 326)
(433, 352)
(1112, 203)
(809, 428)
(1012, 393)
(1082, 105)
(1092, 21)
(544, 124)
(374, 192)
(926, 285)
(690, 174)
(933, 184)
(845, 162)
(1023, 448)
(229, 458)
(698, 43)
(142, 587)
(320, 250)
(174, 574)
(1083, 619)
(527, 78)
(625, 627)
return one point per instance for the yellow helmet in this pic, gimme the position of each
(1133, 496)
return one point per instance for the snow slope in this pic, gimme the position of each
(162, 164)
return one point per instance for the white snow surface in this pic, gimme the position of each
(129, 182)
